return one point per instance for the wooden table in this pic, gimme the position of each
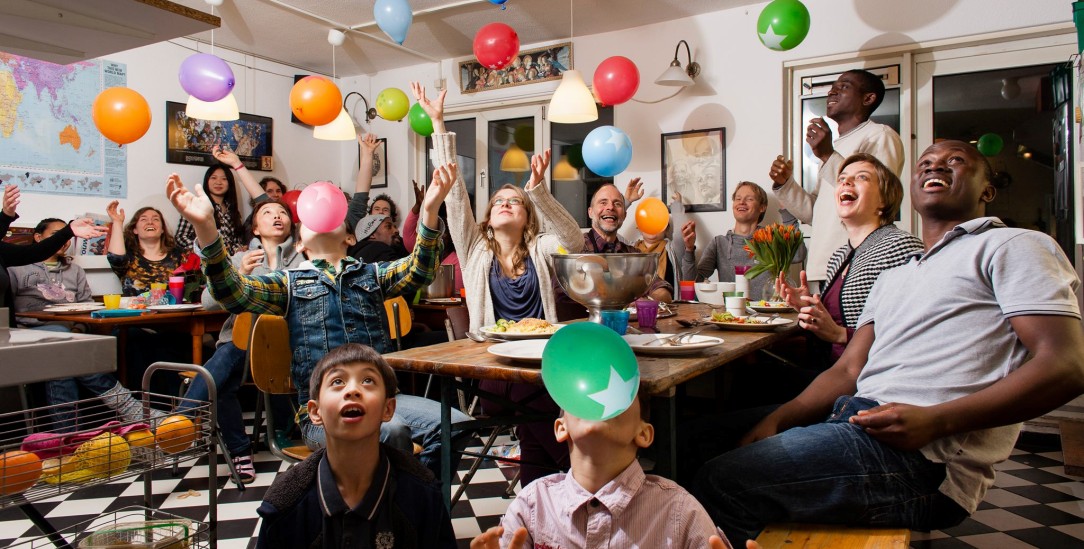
(433, 314)
(659, 376)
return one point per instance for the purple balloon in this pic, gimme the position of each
(206, 77)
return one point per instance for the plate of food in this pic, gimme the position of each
(526, 350)
(653, 344)
(728, 321)
(665, 311)
(73, 308)
(527, 328)
(175, 308)
(763, 306)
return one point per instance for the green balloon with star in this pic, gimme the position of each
(590, 371)
(783, 24)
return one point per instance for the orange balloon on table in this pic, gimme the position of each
(652, 217)
(315, 100)
(121, 114)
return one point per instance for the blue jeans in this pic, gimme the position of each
(227, 367)
(60, 392)
(831, 472)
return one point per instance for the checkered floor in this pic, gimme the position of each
(1033, 504)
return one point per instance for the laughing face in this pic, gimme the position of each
(846, 97)
(352, 402)
(951, 182)
(858, 195)
(607, 211)
(747, 205)
(148, 225)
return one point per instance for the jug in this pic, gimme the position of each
(443, 282)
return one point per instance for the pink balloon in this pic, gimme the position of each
(321, 207)
(616, 80)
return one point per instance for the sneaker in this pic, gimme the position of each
(246, 471)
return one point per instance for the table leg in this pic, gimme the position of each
(664, 418)
(447, 396)
(197, 329)
(46, 528)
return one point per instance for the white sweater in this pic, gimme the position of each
(558, 229)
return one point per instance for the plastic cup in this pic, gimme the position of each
(158, 291)
(647, 312)
(617, 321)
(111, 301)
(688, 290)
(176, 288)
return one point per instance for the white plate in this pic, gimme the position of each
(765, 327)
(443, 300)
(174, 308)
(646, 344)
(527, 350)
(770, 307)
(73, 308)
(488, 330)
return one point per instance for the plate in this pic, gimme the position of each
(527, 350)
(663, 312)
(181, 307)
(443, 300)
(73, 308)
(770, 307)
(645, 344)
(488, 330)
(766, 327)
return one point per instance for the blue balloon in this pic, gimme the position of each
(607, 151)
(500, 3)
(393, 17)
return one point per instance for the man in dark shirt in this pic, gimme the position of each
(378, 240)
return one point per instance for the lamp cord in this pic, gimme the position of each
(212, 31)
(571, 32)
(658, 100)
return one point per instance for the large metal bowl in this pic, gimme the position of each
(605, 281)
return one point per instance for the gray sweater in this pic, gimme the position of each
(28, 296)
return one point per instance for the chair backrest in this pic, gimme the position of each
(270, 355)
(242, 330)
(458, 322)
(404, 317)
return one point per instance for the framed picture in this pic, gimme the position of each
(190, 140)
(694, 164)
(380, 163)
(529, 67)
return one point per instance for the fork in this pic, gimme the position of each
(676, 338)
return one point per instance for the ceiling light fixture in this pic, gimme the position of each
(675, 75)
(224, 109)
(572, 102)
(344, 127)
(564, 171)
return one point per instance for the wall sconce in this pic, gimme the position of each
(344, 127)
(675, 75)
(515, 160)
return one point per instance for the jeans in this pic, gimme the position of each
(227, 367)
(831, 472)
(416, 419)
(60, 392)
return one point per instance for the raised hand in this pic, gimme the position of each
(792, 295)
(196, 208)
(85, 228)
(688, 235)
(819, 136)
(368, 143)
(814, 317)
(11, 200)
(435, 109)
(115, 212)
(226, 156)
(781, 170)
(633, 191)
(490, 539)
(540, 163)
(443, 179)
(250, 261)
(901, 426)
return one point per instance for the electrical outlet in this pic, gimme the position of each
(439, 84)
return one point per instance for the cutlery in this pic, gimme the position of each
(475, 336)
(676, 338)
(754, 313)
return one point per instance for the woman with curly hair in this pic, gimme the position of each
(141, 252)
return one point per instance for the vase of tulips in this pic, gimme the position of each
(773, 247)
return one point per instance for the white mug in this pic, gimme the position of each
(736, 305)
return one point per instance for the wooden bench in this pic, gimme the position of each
(831, 536)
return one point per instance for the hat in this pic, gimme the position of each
(368, 225)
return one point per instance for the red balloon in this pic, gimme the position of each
(290, 198)
(616, 80)
(496, 45)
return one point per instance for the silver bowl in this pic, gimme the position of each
(605, 281)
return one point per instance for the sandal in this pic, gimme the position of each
(246, 471)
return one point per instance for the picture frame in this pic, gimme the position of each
(529, 67)
(380, 163)
(694, 164)
(190, 140)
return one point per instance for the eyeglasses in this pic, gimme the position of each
(514, 201)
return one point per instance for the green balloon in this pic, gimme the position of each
(524, 137)
(420, 121)
(575, 155)
(392, 104)
(590, 371)
(990, 144)
(783, 24)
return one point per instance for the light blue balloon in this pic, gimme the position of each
(607, 151)
(393, 17)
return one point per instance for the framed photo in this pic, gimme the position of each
(694, 164)
(190, 140)
(529, 67)
(380, 163)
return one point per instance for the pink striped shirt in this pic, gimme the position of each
(632, 510)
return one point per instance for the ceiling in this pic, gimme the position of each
(294, 32)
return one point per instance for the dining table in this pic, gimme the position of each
(659, 375)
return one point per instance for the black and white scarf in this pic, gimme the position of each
(884, 248)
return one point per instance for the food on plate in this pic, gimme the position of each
(175, 434)
(524, 326)
(766, 303)
(19, 470)
(717, 316)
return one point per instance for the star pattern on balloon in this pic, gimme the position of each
(617, 396)
(616, 139)
(771, 39)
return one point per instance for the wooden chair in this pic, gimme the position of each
(399, 321)
(832, 536)
(269, 359)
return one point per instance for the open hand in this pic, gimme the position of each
(781, 170)
(633, 192)
(250, 261)
(443, 179)
(819, 136)
(85, 228)
(490, 539)
(196, 208)
(116, 213)
(435, 109)
(11, 199)
(793, 295)
(225, 156)
(368, 143)
(688, 235)
(813, 316)
(901, 426)
(540, 163)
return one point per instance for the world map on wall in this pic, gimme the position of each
(48, 141)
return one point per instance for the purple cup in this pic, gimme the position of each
(647, 312)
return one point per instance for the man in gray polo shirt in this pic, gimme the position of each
(931, 390)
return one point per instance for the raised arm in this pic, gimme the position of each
(404, 276)
(230, 159)
(553, 218)
(116, 232)
(791, 194)
(7, 211)
(359, 203)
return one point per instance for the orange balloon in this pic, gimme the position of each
(315, 100)
(652, 217)
(121, 114)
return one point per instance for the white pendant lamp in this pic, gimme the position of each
(572, 103)
(223, 109)
(340, 129)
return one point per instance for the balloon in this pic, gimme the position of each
(496, 45)
(616, 80)
(990, 144)
(206, 77)
(607, 151)
(523, 136)
(316, 100)
(322, 207)
(420, 121)
(500, 3)
(121, 114)
(652, 217)
(783, 24)
(590, 371)
(290, 198)
(394, 18)
(392, 104)
(575, 155)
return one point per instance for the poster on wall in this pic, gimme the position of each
(48, 140)
(694, 164)
(191, 140)
(528, 67)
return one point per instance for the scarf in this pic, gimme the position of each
(659, 248)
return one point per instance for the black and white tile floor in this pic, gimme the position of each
(1033, 504)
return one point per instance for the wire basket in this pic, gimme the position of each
(131, 527)
(59, 449)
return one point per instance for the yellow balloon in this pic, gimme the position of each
(392, 104)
